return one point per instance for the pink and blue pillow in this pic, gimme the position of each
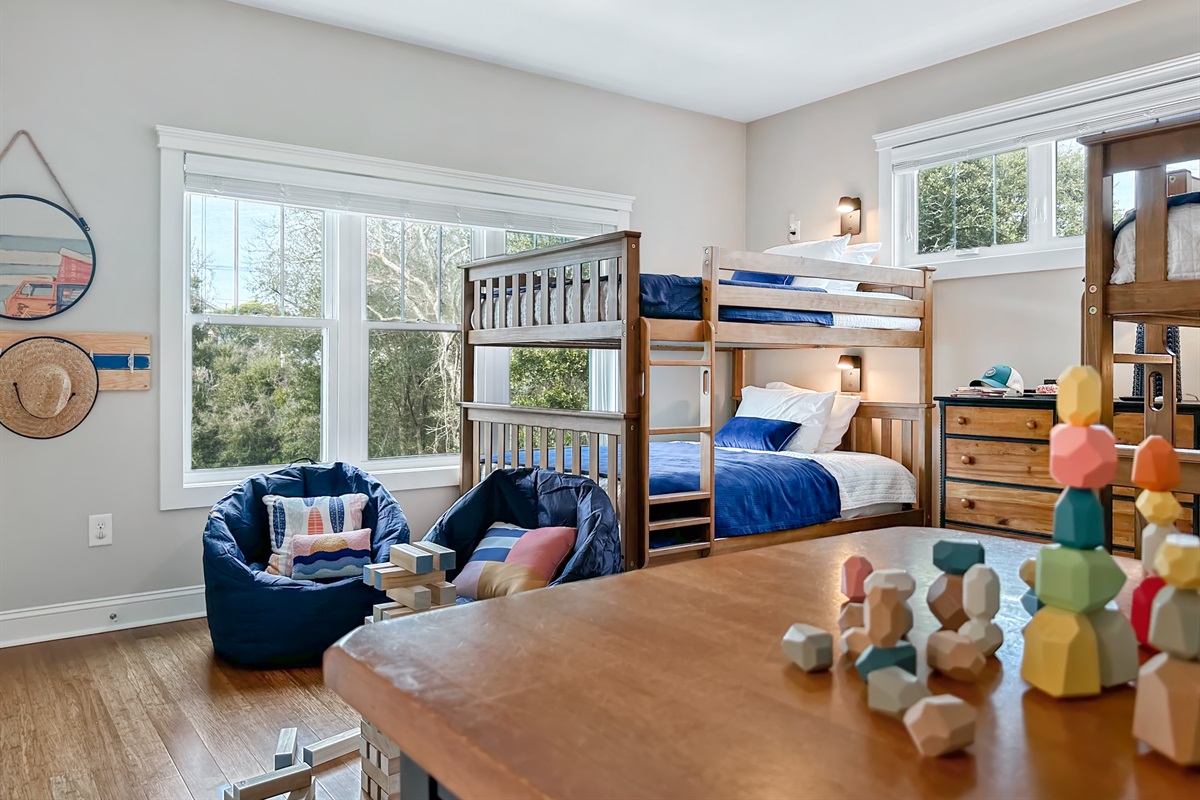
(513, 559)
(288, 516)
(328, 556)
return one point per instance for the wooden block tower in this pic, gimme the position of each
(852, 620)
(1166, 714)
(1076, 644)
(414, 579)
(888, 619)
(1156, 470)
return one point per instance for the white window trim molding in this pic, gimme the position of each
(1168, 89)
(178, 486)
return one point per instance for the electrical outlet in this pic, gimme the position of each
(100, 531)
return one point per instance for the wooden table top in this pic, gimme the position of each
(670, 682)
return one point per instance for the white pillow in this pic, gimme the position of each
(811, 410)
(826, 249)
(845, 406)
(861, 253)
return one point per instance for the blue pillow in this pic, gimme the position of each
(756, 433)
(762, 277)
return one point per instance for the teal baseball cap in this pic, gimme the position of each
(1002, 376)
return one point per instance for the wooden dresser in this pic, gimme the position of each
(995, 473)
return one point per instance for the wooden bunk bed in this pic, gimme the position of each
(586, 294)
(1155, 297)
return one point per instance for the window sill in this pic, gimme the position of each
(433, 474)
(1009, 264)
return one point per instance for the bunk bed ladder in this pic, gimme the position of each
(686, 512)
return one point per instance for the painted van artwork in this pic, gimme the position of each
(41, 275)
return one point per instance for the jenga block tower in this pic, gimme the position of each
(380, 764)
(1166, 713)
(1075, 578)
(945, 596)
(954, 655)
(940, 725)
(888, 619)
(809, 647)
(893, 691)
(1156, 470)
(981, 601)
(414, 579)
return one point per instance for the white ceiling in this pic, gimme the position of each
(740, 59)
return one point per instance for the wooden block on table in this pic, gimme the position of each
(810, 648)
(1078, 398)
(378, 740)
(443, 593)
(897, 578)
(417, 598)
(892, 691)
(853, 616)
(285, 748)
(1062, 656)
(413, 559)
(855, 570)
(334, 747)
(393, 577)
(1166, 712)
(269, 784)
(985, 635)
(1077, 580)
(1083, 458)
(379, 609)
(1142, 604)
(1079, 519)
(981, 592)
(903, 655)
(1175, 622)
(1155, 465)
(390, 784)
(945, 600)
(1028, 571)
(1159, 508)
(854, 641)
(443, 557)
(888, 618)
(372, 790)
(306, 793)
(368, 620)
(956, 556)
(1117, 646)
(940, 725)
(954, 655)
(1178, 561)
(1152, 538)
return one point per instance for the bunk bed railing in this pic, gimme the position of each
(804, 267)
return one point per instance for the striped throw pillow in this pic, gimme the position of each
(511, 559)
(288, 516)
(330, 555)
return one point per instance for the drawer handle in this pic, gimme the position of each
(965, 503)
(1031, 424)
(962, 420)
(967, 460)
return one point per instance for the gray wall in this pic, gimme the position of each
(802, 160)
(91, 80)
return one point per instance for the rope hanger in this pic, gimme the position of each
(46, 164)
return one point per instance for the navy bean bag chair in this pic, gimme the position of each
(536, 498)
(263, 620)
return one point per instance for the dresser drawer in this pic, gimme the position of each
(1000, 507)
(1128, 428)
(999, 462)
(1124, 513)
(1009, 423)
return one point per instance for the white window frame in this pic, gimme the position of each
(344, 390)
(1168, 89)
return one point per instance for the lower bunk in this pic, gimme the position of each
(760, 498)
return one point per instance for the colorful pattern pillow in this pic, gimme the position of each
(330, 555)
(512, 559)
(287, 516)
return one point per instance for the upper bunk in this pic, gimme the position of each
(1147, 270)
(591, 293)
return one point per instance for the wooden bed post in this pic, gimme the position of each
(739, 377)
(924, 462)
(1097, 326)
(469, 456)
(634, 473)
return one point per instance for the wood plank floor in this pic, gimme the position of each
(150, 713)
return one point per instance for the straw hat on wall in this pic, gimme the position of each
(47, 387)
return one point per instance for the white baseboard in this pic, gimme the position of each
(84, 617)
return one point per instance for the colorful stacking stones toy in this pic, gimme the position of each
(1156, 471)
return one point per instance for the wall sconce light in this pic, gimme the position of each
(851, 210)
(851, 367)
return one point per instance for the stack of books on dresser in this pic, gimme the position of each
(982, 391)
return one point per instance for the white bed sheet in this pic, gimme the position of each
(1183, 247)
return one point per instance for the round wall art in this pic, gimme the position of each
(47, 259)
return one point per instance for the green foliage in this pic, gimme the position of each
(979, 202)
(1070, 188)
(548, 378)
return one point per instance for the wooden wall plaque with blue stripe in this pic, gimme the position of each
(122, 359)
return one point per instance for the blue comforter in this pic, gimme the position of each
(758, 492)
(679, 297)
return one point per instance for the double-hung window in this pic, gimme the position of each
(312, 304)
(1002, 189)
